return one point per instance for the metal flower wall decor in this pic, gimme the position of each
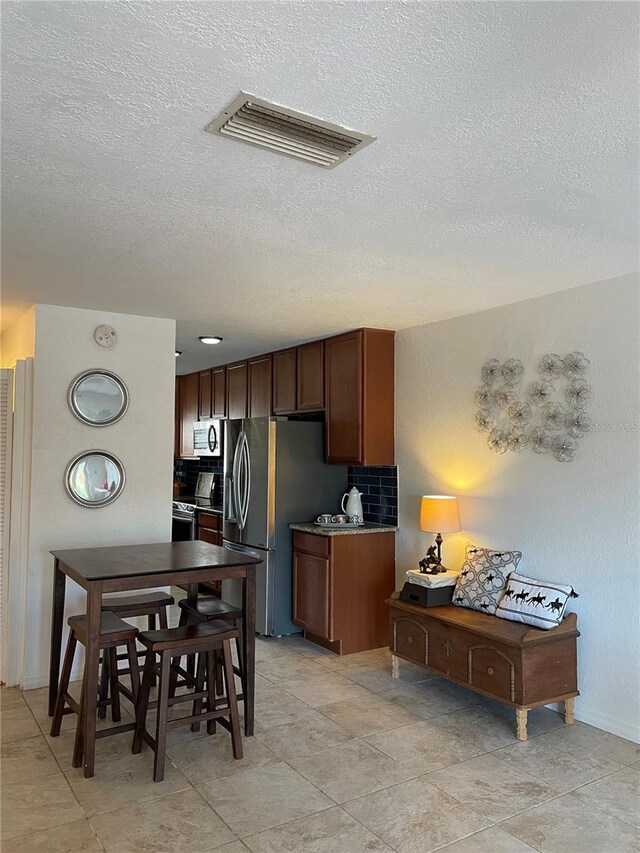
(539, 421)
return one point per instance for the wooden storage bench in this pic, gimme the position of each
(522, 666)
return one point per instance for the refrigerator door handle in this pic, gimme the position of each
(243, 549)
(240, 479)
(235, 484)
(247, 478)
(228, 485)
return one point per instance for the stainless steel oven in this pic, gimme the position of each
(183, 512)
(182, 521)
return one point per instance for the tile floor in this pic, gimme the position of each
(345, 760)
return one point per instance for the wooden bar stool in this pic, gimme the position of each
(208, 609)
(204, 588)
(153, 605)
(150, 604)
(114, 632)
(204, 639)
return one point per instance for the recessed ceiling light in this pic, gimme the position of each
(209, 339)
(178, 353)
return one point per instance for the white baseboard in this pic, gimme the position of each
(34, 682)
(608, 723)
(599, 720)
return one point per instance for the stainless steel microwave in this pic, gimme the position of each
(207, 438)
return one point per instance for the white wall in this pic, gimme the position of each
(142, 440)
(575, 522)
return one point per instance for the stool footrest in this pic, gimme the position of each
(116, 730)
(127, 693)
(74, 705)
(198, 718)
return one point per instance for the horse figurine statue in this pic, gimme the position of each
(429, 564)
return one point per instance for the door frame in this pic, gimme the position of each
(7, 450)
(15, 602)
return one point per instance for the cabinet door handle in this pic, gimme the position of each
(490, 670)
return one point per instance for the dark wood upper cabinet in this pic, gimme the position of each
(219, 392)
(351, 376)
(359, 384)
(344, 398)
(260, 386)
(204, 395)
(310, 377)
(237, 390)
(176, 420)
(378, 415)
(284, 381)
(188, 394)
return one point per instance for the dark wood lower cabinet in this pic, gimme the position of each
(209, 524)
(313, 595)
(210, 536)
(522, 666)
(340, 584)
(209, 529)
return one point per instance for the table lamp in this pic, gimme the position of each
(438, 514)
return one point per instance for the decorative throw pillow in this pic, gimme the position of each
(483, 578)
(534, 602)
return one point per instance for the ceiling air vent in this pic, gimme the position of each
(285, 131)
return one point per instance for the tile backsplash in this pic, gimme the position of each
(378, 484)
(186, 471)
(379, 487)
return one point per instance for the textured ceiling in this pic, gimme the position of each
(505, 165)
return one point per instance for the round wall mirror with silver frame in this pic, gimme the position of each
(94, 478)
(98, 397)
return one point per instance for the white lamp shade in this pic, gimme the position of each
(439, 514)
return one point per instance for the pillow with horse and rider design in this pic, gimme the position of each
(534, 602)
(483, 578)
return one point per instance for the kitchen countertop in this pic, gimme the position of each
(367, 527)
(214, 510)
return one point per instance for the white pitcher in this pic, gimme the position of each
(354, 504)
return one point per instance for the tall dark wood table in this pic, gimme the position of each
(125, 567)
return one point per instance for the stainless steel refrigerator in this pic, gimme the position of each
(274, 474)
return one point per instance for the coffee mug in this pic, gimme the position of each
(355, 519)
(339, 519)
(325, 518)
